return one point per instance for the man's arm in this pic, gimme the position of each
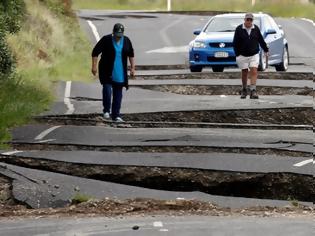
(236, 42)
(132, 66)
(97, 50)
(94, 65)
(262, 42)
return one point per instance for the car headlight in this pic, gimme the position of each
(197, 44)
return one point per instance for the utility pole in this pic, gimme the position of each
(169, 5)
(253, 2)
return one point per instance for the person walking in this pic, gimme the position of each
(247, 39)
(115, 50)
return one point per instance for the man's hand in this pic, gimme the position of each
(132, 72)
(94, 71)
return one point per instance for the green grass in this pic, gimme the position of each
(80, 198)
(19, 99)
(48, 48)
(120, 4)
(284, 8)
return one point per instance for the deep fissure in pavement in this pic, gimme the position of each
(250, 116)
(225, 89)
(227, 75)
(279, 116)
(282, 186)
(159, 149)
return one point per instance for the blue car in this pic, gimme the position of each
(213, 45)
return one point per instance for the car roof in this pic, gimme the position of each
(237, 15)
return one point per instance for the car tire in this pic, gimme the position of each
(283, 66)
(217, 68)
(262, 62)
(195, 68)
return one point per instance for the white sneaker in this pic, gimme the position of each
(118, 119)
(106, 115)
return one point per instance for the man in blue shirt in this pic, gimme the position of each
(115, 49)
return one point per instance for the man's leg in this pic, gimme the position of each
(244, 77)
(107, 97)
(117, 98)
(244, 83)
(253, 81)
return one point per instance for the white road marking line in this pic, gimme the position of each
(67, 101)
(302, 163)
(47, 140)
(10, 153)
(163, 230)
(158, 224)
(177, 49)
(46, 132)
(165, 35)
(94, 30)
(308, 20)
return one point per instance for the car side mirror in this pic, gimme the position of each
(271, 31)
(197, 32)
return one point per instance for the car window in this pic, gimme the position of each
(273, 23)
(228, 24)
(267, 24)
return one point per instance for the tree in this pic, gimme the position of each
(11, 15)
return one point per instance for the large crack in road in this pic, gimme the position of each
(161, 149)
(280, 186)
(225, 90)
(283, 185)
(231, 75)
(282, 116)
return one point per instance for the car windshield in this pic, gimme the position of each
(221, 24)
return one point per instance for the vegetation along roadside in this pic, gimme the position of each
(40, 43)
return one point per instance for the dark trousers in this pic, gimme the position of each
(114, 91)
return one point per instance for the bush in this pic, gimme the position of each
(6, 59)
(12, 13)
(63, 7)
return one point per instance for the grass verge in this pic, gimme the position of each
(283, 8)
(19, 100)
(120, 4)
(49, 47)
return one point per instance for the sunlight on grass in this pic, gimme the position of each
(48, 48)
(120, 4)
(284, 8)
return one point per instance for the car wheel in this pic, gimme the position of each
(262, 62)
(283, 66)
(195, 68)
(217, 68)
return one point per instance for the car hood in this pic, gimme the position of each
(215, 37)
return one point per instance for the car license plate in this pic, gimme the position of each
(221, 54)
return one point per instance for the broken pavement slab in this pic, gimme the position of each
(137, 100)
(37, 190)
(230, 162)
(292, 140)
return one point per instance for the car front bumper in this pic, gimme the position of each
(206, 57)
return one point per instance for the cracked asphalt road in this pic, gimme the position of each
(233, 150)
